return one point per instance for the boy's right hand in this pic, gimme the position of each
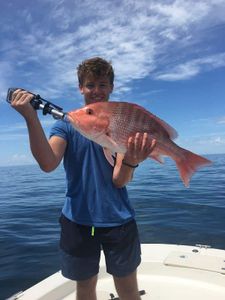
(21, 103)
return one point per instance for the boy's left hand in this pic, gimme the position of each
(139, 148)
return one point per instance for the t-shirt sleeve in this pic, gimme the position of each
(60, 128)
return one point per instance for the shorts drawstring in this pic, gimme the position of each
(92, 231)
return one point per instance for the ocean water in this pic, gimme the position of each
(166, 212)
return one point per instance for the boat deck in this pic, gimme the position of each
(167, 272)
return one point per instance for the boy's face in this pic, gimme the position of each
(96, 89)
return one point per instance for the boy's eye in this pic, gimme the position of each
(90, 86)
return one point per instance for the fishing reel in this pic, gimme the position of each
(38, 102)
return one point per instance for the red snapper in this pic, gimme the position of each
(110, 124)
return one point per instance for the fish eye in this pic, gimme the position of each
(89, 111)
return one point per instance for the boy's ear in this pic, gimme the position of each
(81, 89)
(112, 87)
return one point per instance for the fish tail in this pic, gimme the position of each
(188, 163)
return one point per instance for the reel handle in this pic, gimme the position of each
(39, 103)
(35, 102)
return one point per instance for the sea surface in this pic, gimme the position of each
(166, 212)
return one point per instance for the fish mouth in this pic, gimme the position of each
(73, 120)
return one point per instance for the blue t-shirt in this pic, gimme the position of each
(91, 197)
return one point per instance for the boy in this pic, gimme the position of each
(97, 213)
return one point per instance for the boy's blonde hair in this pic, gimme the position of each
(96, 67)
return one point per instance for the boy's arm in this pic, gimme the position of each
(138, 149)
(48, 154)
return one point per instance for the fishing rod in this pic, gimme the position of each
(38, 102)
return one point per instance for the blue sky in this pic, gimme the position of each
(168, 56)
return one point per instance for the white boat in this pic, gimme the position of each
(167, 272)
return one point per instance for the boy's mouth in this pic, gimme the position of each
(97, 99)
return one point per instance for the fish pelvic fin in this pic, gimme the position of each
(109, 156)
(188, 163)
(157, 158)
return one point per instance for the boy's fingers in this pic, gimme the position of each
(138, 141)
(153, 144)
(144, 145)
(22, 96)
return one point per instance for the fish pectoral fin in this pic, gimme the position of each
(109, 156)
(111, 148)
(110, 143)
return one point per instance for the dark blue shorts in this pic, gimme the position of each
(80, 249)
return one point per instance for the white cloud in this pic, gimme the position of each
(13, 128)
(18, 159)
(178, 13)
(5, 73)
(211, 140)
(193, 67)
(180, 72)
(204, 144)
(137, 36)
(218, 140)
(19, 130)
(221, 120)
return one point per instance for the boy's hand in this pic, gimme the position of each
(21, 103)
(139, 148)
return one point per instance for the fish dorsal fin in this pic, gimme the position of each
(170, 130)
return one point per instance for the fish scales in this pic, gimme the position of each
(124, 122)
(127, 120)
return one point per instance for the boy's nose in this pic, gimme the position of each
(96, 89)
